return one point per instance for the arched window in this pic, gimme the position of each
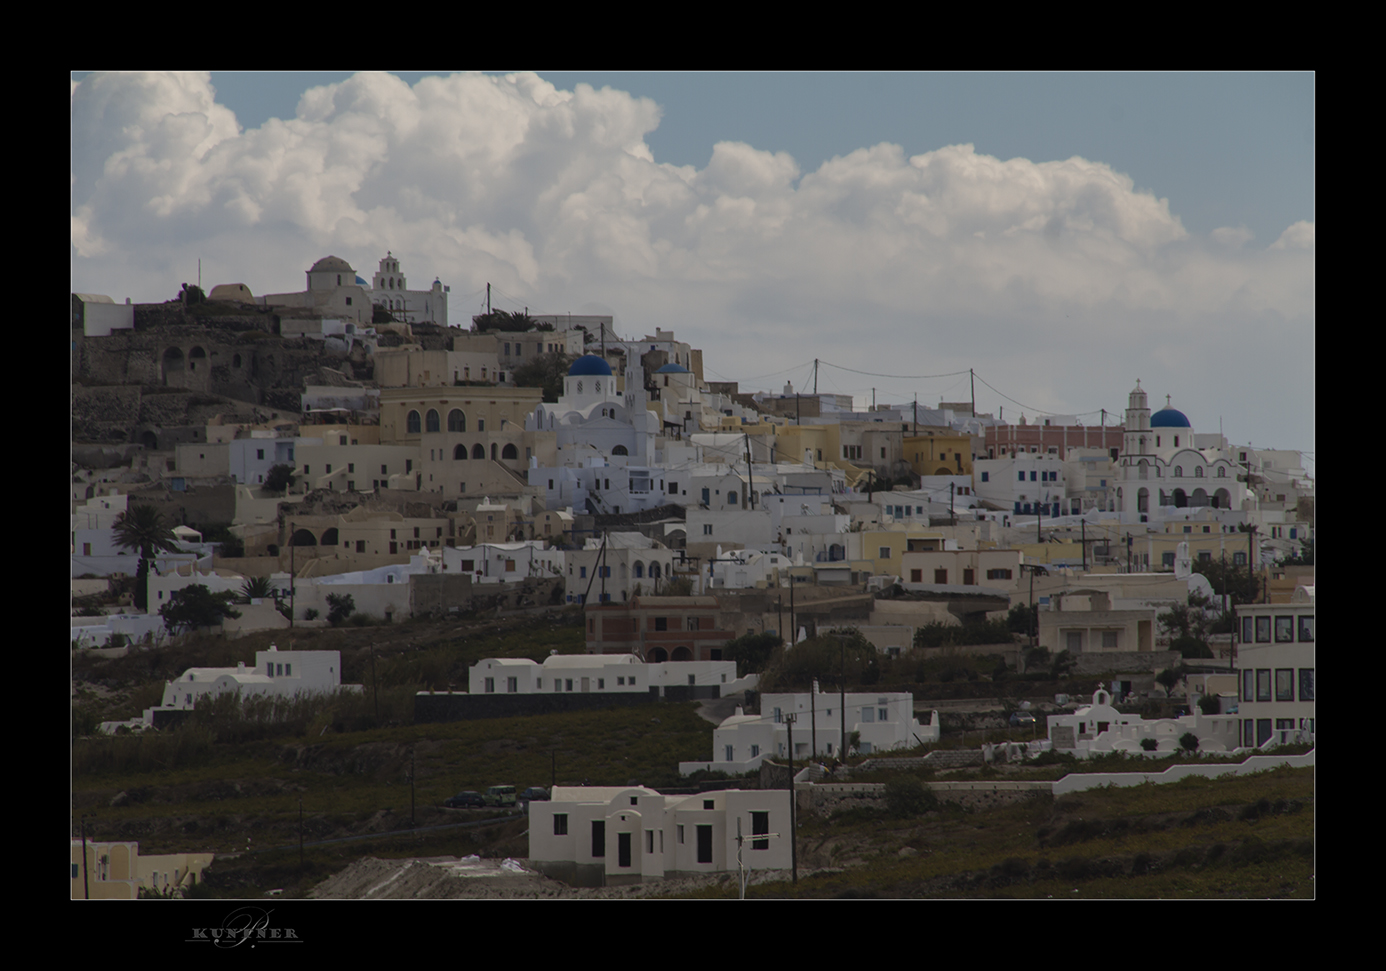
(619, 450)
(1222, 472)
(579, 386)
(1198, 471)
(1180, 499)
(1179, 472)
(235, 360)
(433, 424)
(1143, 501)
(638, 570)
(412, 426)
(478, 451)
(510, 452)
(457, 422)
(654, 571)
(459, 452)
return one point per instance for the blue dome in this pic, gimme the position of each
(1169, 418)
(672, 369)
(589, 364)
(361, 283)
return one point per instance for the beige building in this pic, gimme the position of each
(332, 292)
(1082, 620)
(116, 871)
(984, 568)
(355, 468)
(407, 414)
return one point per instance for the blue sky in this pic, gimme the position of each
(1100, 228)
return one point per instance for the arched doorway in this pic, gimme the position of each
(329, 538)
(173, 364)
(682, 654)
(656, 655)
(303, 538)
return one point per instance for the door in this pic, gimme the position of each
(704, 844)
(623, 849)
(599, 838)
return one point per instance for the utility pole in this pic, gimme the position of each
(813, 718)
(815, 376)
(972, 379)
(86, 885)
(793, 836)
(1084, 527)
(292, 576)
(411, 787)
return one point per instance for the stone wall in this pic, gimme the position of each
(461, 706)
(1134, 662)
(827, 798)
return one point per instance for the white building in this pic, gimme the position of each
(278, 674)
(250, 459)
(390, 292)
(884, 721)
(504, 562)
(599, 835)
(1098, 728)
(1275, 661)
(604, 673)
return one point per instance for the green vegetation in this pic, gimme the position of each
(512, 323)
(955, 635)
(279, 478)
(143, 530)
(545, 371)
(1235, 837)
(196, 606)
(752, 652)
(340, 606)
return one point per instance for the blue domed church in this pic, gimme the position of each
(1164, 473)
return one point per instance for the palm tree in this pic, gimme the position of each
(143, 530)
(256, 588)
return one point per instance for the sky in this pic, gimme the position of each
(1063, 235)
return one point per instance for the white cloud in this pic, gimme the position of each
(1298, 236)
(942, 260)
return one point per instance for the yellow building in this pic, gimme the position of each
(939, 453)
(116, 871)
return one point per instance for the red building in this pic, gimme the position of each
(1046, 439)
(657, 629)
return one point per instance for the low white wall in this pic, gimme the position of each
(1077, 782)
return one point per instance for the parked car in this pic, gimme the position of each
(533, 794)
(1022, 719)
(465, 799)
(500, 796)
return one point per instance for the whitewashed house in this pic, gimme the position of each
(279, 674)
(604, 673)
(884, 721)
(596, 836)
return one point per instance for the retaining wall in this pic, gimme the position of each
(1077, 782)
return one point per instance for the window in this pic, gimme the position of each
(560, 824)
(1306, 628)
(1020, 476)
(1263, 630)
(868, 715)
(1306, 684)
(1284, 684)
(661, 623)
(986, 476)
(1109, 638)
(568, 684)
(707, 529)
(885, 552)
(916, 576)
(940, 576)
(512, 685)
(1248, 684)
(1263, 684)
(999, 575)
(1284, 630)
(490, 685)
(1075, 641)
(680, 834)
(760, 823)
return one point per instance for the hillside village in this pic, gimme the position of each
(269, 464)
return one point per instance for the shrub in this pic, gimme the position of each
(1209, 705)
(907, 797)
(340, 606)
(1149, 744)
(311, 613)
(1189, 742)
